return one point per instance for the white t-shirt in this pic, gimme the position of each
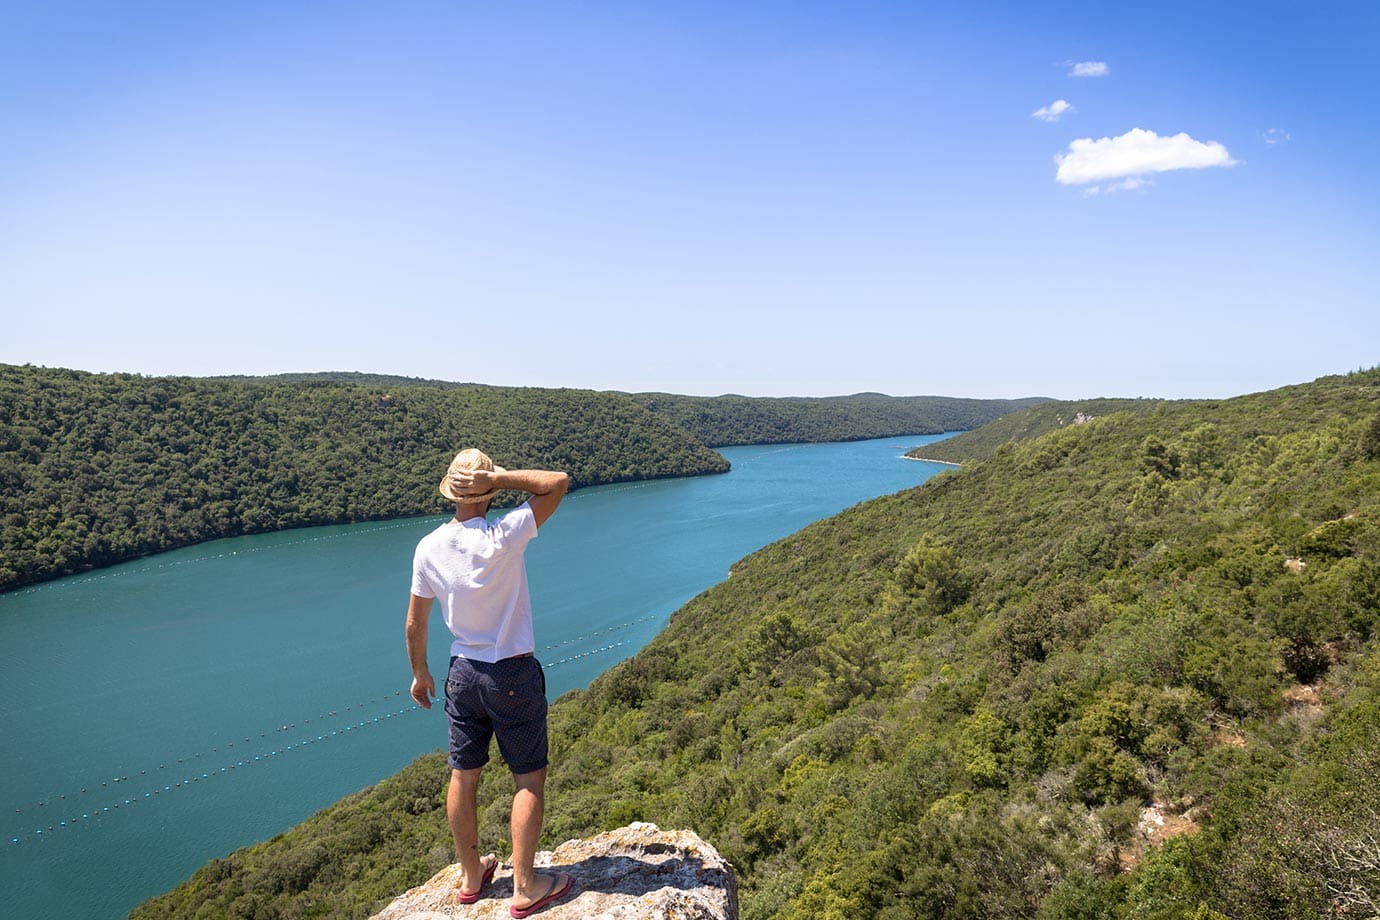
(475, 571)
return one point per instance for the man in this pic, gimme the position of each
(495, 685)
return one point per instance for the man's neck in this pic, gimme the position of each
(470, 512)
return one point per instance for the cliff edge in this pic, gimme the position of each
(638, 872)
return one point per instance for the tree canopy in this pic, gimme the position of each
(720, 421)
(1025, 423)
(98, 468)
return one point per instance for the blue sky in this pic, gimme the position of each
(794, 198)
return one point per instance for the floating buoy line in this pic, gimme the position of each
(781, 449)
(64, 812)
(182, 773)
(586, 637)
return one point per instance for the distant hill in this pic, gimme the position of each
(1124, 669)
(1026, 423)
(98, 468)
(720, 421)
(732, 419)
(353, 378)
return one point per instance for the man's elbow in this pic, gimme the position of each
(555, 484)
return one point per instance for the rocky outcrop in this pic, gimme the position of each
(638, 872)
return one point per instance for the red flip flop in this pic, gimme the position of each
(469, 897)
(555, 894)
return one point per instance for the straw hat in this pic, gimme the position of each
(469, 459)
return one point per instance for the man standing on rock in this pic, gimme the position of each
(495, 686)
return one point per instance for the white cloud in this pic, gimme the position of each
(1052, 111)
(1090, 69)
(1135, 153)
(1274, 136)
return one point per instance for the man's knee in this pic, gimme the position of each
(466, 779)
(534, 782)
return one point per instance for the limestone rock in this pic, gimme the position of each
(638, 872)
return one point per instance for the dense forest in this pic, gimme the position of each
(729, 420)
(720, 421)
(356, 378)
(1126, 670)
(98, 468)
(1026, 423)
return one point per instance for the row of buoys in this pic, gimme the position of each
(334, 713)
(595, 651)
(290, 726)
(610, 488)
(280, 729)
(598, 632)
(171, 787)
(89, 579)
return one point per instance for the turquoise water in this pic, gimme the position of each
(164, 712)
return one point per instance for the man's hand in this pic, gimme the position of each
(473, 482)
(423, 689)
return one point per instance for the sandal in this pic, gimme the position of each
(469, 897)
(557, 892)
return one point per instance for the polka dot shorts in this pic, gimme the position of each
(505, 698)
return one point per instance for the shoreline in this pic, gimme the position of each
(931, 460)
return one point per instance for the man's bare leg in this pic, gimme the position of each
(462, 810)
(529, 802)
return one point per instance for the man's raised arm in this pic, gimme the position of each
(547, 487)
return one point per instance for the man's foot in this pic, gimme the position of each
(557, 886)
(490, 866)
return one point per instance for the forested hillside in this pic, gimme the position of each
(720, 421)
(100, 468)
(1128, 669)
(97, 468)
(356, 378)
(1026, 423)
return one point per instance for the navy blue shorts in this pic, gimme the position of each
(505, 698)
